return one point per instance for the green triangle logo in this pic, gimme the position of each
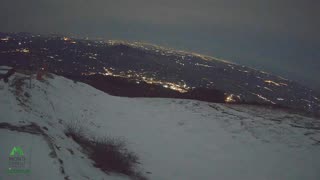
(16, 150)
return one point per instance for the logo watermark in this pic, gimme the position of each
(17, 162)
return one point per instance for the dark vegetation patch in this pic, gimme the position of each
(305, 126)
(119, 86)
(58, 147)
(61, 166)
(109, 154)
(60, 161)
(17, 86)
(18, 83)
(71, 151)
(30, 128)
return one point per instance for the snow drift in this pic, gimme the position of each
(174, 139)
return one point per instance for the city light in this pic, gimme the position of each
(275, 83)
(66, 39)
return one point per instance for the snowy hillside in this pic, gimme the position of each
(174, 139)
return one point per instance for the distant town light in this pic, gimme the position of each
(275, 83)
(66, 39)
(230, 99)
(5, 39)
(25, 50)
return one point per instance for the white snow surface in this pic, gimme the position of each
(175, 139)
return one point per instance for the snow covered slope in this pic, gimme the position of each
(175, 139)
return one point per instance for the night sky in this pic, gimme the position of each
(279, 36)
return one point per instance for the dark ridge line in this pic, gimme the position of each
(118, 86)
(124, 87)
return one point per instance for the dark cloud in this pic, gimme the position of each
(281, 36)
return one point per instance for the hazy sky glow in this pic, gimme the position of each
(280, 36)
